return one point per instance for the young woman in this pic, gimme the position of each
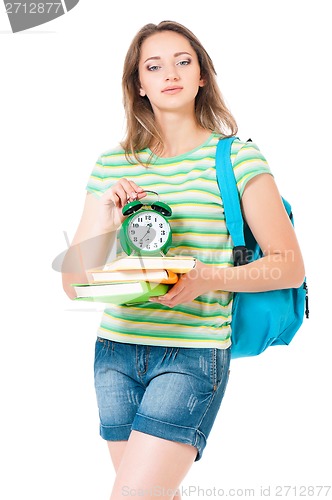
(161, 368)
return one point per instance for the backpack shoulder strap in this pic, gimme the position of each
(230, 197)
(231, 201)
(228, 190)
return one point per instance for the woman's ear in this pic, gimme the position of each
(142, 93)
(202, 82)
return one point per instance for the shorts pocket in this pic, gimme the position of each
(102, 347)
(220, 363)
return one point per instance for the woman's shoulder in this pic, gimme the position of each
(247, 150)
(242, 145)
(243, 151)
(115, 152)
(238, 144)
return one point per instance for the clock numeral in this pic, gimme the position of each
(135, 238)
(140, 219)
(155, 245)
(163, 232)
(161, 240)
(161, 225)
(132, 231)
(148, 217)
(135, 225)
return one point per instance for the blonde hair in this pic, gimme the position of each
(141, 127)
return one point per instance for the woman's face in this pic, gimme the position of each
(169, 72)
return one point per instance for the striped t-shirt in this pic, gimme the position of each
(187, 183)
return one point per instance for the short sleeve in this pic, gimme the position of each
(248, 162)
(95, 183)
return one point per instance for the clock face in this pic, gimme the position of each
(148, 231)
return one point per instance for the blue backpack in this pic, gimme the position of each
(278, 314)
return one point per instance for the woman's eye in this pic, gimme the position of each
(185, 62)
(153, 68)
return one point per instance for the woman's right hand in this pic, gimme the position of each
(113, 201)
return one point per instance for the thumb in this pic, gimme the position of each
(173, 292)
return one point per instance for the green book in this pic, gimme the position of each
(119, 293)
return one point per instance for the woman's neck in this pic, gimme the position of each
(179, 135)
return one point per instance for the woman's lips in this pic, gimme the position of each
(173, 90)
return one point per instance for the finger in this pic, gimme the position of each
(121, 195)
(173, 292)
(136, 196)
(131, 188)
(178, 299)
(136, 191)
(141, 195)
(169, 296)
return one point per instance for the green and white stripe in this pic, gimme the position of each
(188, 184)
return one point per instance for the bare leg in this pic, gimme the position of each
(148, 463)
(152, 464)
(116, 449)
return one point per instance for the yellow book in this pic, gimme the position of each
(178, 264)
(151, 275)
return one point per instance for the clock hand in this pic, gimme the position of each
(145, 234)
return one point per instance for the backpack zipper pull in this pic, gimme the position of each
(305, 286)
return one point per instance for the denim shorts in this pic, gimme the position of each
(170, 392)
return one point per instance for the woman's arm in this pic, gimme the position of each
(89, 248)
(281, 267)
(96, 232)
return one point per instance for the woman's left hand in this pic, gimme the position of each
(190, 285)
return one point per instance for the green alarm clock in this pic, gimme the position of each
(146, 230)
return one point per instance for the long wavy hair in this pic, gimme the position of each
(141, 128)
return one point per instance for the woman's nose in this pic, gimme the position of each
(171, 74)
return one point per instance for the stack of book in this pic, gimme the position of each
(133, 279)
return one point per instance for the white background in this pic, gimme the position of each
(60, 108)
